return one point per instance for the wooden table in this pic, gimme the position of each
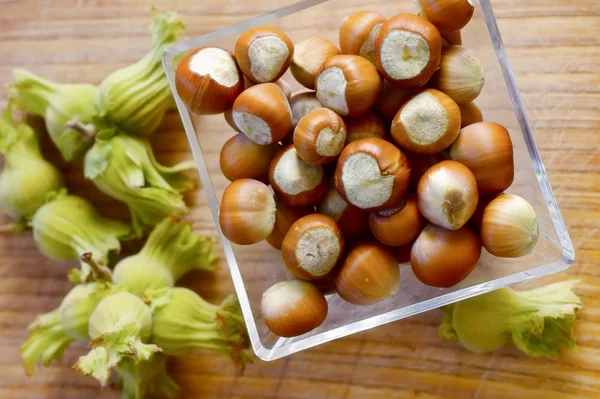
(554, 47)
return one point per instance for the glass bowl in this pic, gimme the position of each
(255, 268)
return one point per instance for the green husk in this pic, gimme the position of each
(172, 250)
(124, 168)
(47, 341)
(78, 305)
(184, 322)
(119, 328)
(539, 322)
(27, 178)
(68, 110)
(147, 377)
(136, 98)
(67, 227)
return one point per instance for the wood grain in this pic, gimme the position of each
(554, 48)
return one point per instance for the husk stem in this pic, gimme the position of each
(146, 378)
(67, 227)
(99, 272)
(47, 341)
(538, 322)
(61, 105)
(27, 178)
(124, 168)
(184, 322)
(135, 98)
(119, 328)
(172, 250)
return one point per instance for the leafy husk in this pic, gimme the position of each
(27, 178)
(172, 250)
(78, 305)
(47, 341)
(147, 377)
(538, 322)
(68, 226)
(184, 322)
(68, 110)
(135, 98)
(124, 168)
(119, 328)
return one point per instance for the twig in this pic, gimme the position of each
(101, 272)
(86, 131)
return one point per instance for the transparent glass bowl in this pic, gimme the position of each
(255, 268)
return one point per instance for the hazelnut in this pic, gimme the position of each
(264, 54)
(348, 85)
(208, 80)
(262, 113)
(313, 246)
(408, 50)
(296, 182)
(320, 136)
(372, 174)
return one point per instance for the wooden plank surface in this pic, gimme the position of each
(554, 48)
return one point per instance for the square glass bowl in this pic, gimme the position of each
(257, 267)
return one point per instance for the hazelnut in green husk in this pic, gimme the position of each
(67, 109)
(172, 250)
(539, 322)
(183, 322)
(124, 168)
(119, 328)
(27, 178)
(52, 332)
(79, 304)
(67, 227)
(135, 98)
